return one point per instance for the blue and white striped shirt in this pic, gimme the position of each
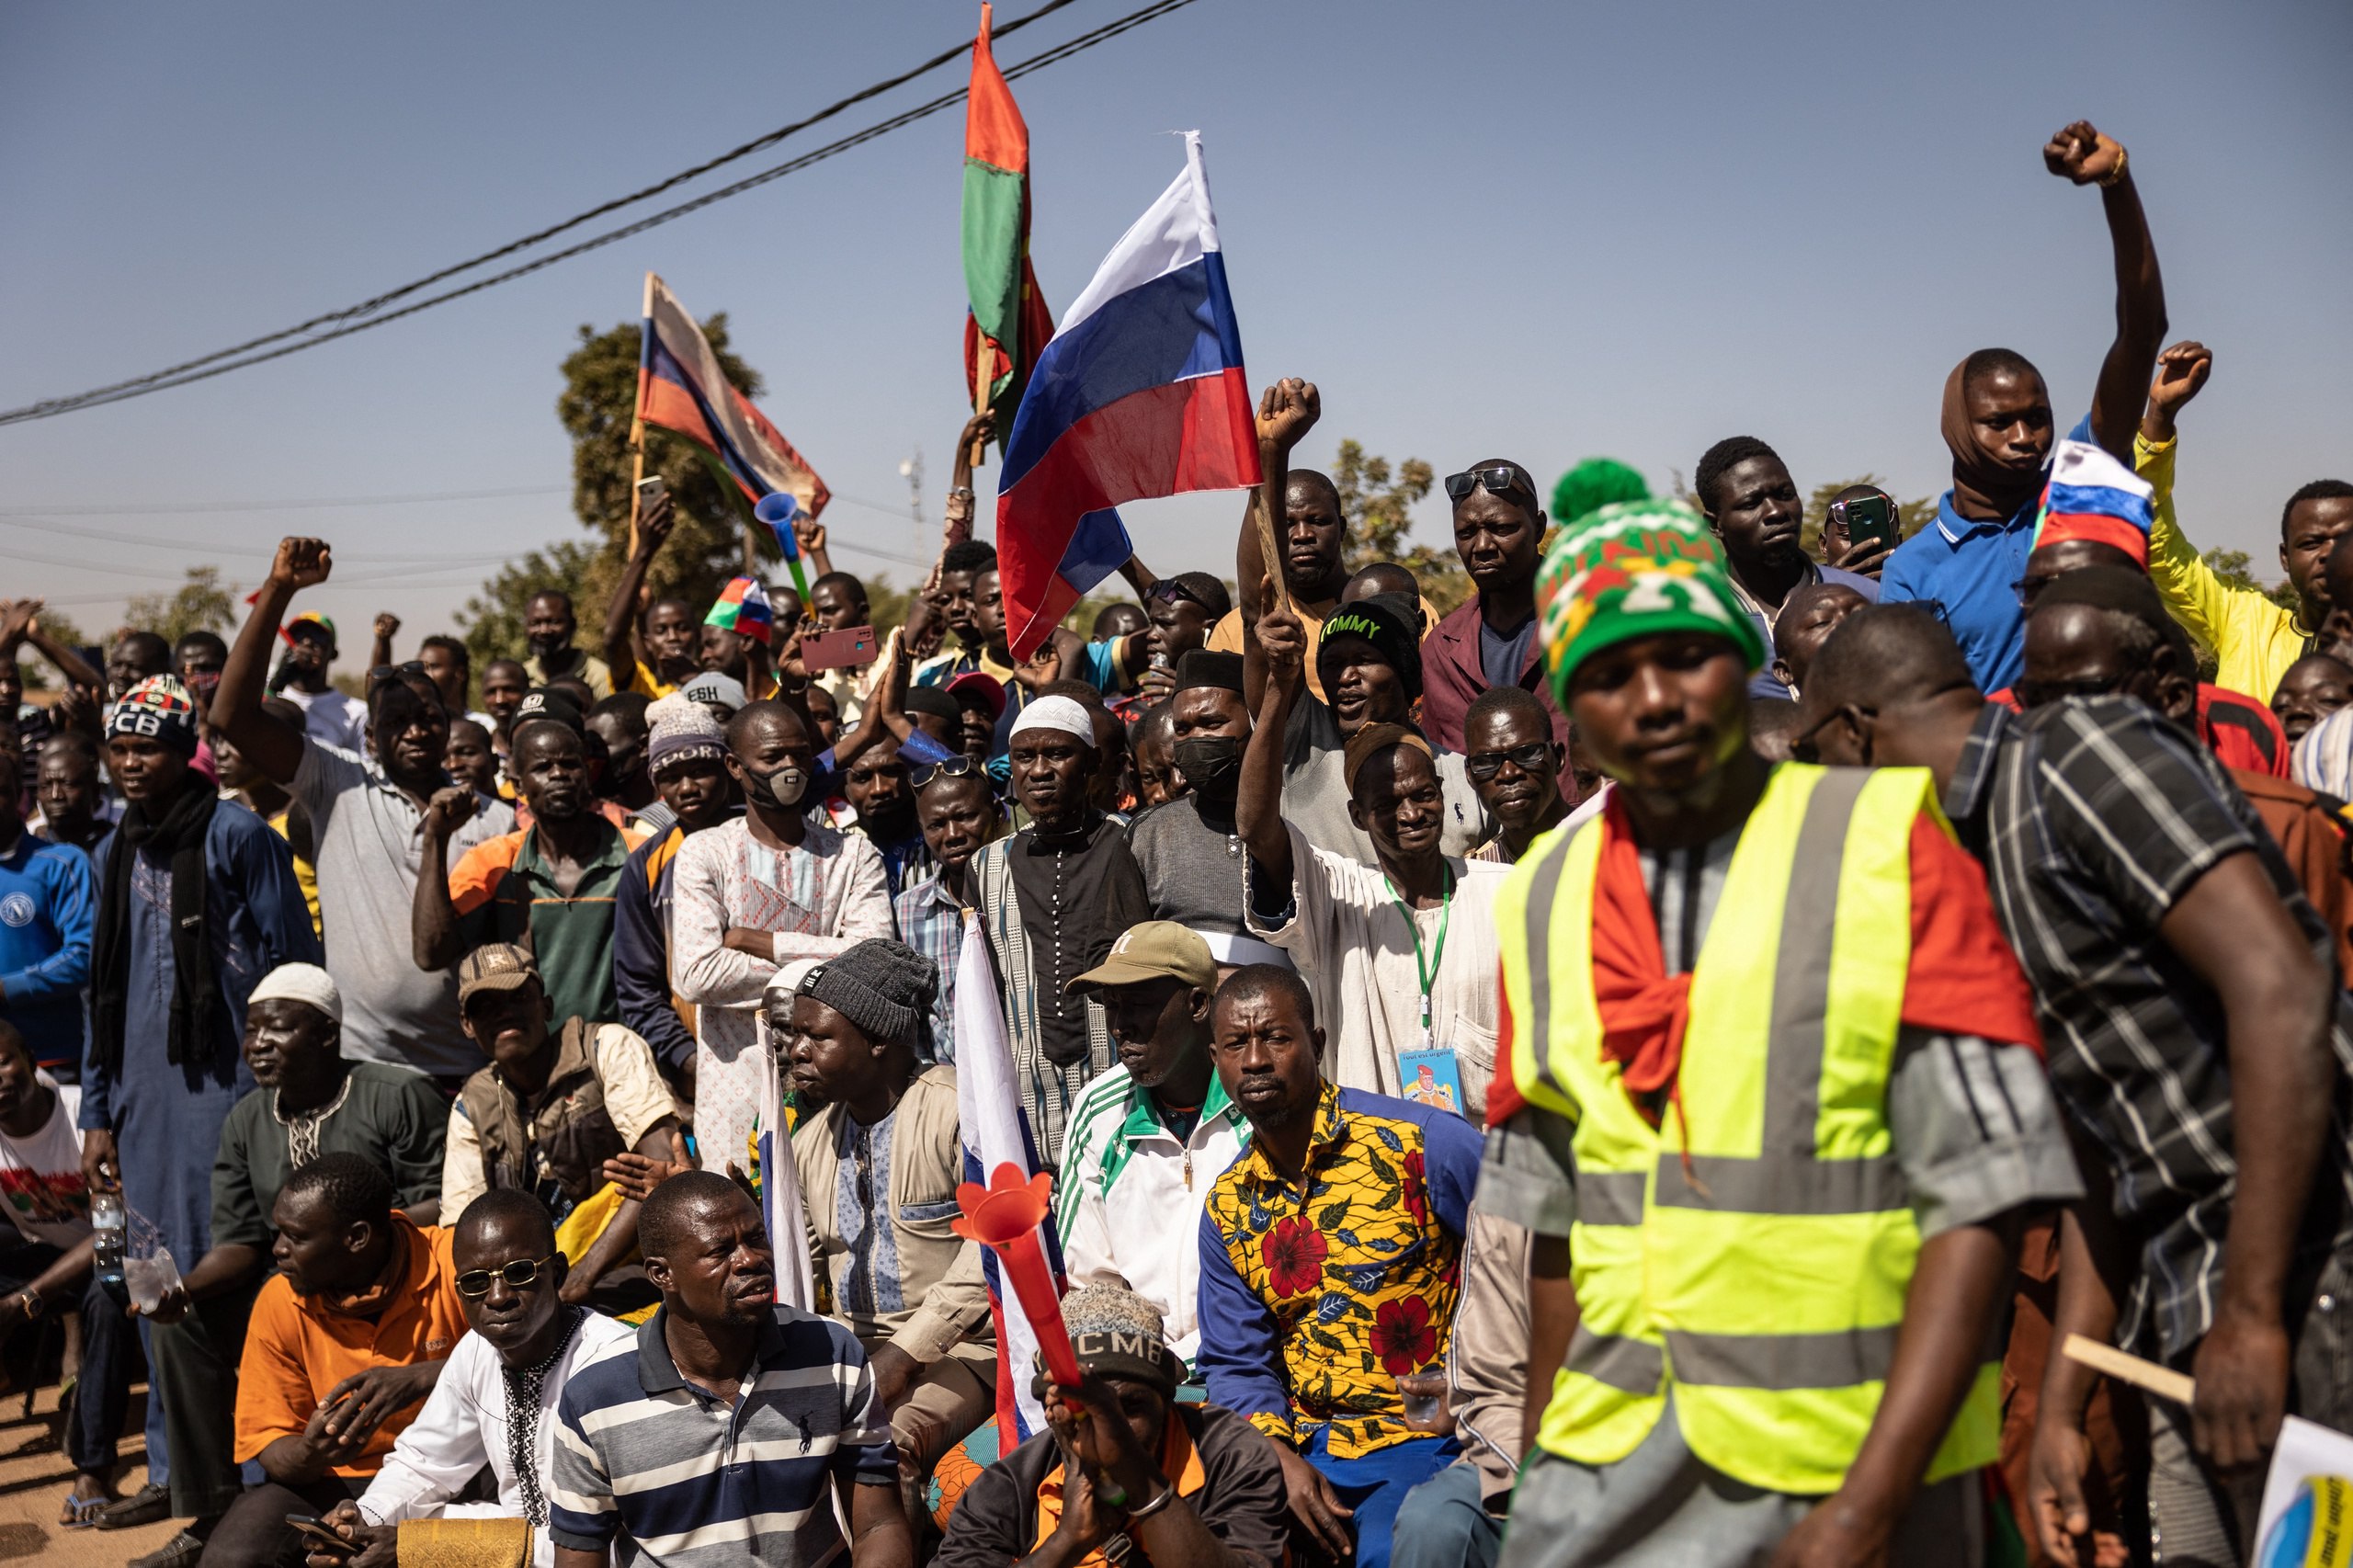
(666, 1474)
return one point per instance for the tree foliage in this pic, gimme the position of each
(2236, 569)
(596, 408)
(199, 603)
(1378, 504)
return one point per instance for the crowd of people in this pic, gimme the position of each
(1642, 1068)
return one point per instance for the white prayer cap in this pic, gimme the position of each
(1061, 713)
(301, 982)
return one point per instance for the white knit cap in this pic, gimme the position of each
(1061, 713)
(301, 982)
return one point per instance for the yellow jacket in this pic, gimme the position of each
(2254, 639)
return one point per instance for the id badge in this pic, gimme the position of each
(1431, 1077)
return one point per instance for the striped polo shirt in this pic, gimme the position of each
(663, 1473)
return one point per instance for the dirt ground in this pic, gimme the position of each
(35, 1478)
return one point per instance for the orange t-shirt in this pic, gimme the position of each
(298, 1348)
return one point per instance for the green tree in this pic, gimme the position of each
(596, 408)
(198, 604)
(2235, 568)
(1378, 505)
(1911, 517)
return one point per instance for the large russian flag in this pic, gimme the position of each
(1140, 393)
(681, 388)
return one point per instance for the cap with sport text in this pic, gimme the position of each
(1154, 949)
(499, 966)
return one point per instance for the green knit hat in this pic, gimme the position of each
(1634, 570)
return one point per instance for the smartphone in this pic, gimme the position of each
(650, 491)
(1871, 520)
(315, 1530)
(837, 650)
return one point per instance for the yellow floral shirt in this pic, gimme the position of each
(1344, 1278)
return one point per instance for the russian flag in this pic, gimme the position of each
(2093, 496)
(996, 1133)
(681, 389)
(1140, 393)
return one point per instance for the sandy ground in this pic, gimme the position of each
(35, 1478)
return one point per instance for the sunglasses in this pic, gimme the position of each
(1801, 744)
(383, 673)
(2042, 693)
(1529, 759)
(1503, 479)
(2030, 589)
(954, 767)
(475, 1282)
(1168, 591)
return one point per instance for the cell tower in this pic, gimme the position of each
(912, 472)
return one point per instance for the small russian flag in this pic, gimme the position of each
(743, 608)
(2093, 496)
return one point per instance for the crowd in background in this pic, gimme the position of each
(1642, 1067)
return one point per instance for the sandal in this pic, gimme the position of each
(82, 1512)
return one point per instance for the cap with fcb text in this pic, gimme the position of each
(500, 966)
(1154, 949)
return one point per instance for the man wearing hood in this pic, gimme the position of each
(1997, 423)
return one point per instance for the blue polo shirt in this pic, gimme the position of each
(1972, 570)
(49, 907)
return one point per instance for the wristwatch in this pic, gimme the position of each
(32, 1299)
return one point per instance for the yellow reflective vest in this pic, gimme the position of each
(1755, 1258)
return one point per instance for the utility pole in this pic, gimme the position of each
(912, 472)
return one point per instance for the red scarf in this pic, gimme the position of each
(1645, 1010)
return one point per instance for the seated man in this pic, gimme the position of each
(345, 1343)
(1147, 1138)
(45, 1255)
(717, 1433)
(554, 1104)
(1517, 768)
(878, 1168)
(498, 1392)
(308, 1101)
(1455, 1519)
(1314, 1306)
(1194, 1483)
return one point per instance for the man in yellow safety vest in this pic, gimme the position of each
(1775, 1100)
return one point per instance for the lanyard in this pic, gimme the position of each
(1426, 970)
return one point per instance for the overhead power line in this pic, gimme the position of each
(344, 323)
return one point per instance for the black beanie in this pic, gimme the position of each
(884, 987)
(1391, 623)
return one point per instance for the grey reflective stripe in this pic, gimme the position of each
(1543, 891)
(1781, 1185)
(1786, 1178)
(1782, 1360)
(1609, 1197)
(1630, 1366)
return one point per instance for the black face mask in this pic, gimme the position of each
(1212, 765)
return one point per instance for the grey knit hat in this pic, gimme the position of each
(681, 730)
(884, 987)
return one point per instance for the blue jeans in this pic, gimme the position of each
(1442, 1523)
(1374, 1485)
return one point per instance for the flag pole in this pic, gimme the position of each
(637, 417)
(982, 354)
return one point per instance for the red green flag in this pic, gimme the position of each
(1008, 322)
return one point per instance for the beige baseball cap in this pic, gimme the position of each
(499, 966)
(1156, 949)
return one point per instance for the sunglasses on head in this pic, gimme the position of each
(954, 767)
(475, 1282)
(1529, 759)
(1168, 591)
(1503, 479)
(383, 673)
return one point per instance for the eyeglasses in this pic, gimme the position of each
(1529, 759)
(2028, 589)
(475, 1282)
(954, 767)
(1802, 746)
(1503, 479)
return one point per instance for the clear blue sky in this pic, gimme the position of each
(1543, 231)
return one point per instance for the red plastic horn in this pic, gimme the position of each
(1003, 1217)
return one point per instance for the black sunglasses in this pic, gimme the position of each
(1529, 759)
(475, 1282)
(383, 673)
(1168, 590)
(1503, 479)
(2042, 693)
(954, 767)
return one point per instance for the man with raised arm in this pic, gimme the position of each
(366, 815)
(1997, 423)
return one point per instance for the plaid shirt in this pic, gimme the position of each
(932, 923)
(2095, 816)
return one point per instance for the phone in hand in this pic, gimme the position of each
(319, 1534)
(1869, 519)
(837, 650)
(650, 490)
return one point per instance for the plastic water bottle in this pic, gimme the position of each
(107, 1222)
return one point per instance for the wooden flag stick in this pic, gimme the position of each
(1271, 552)
(2126, 1367)
(636, 476)
(981, 356)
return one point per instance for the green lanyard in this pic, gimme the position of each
(1427, 970)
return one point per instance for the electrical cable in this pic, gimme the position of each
(238, 358)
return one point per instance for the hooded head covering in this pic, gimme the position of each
(1983, 485)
